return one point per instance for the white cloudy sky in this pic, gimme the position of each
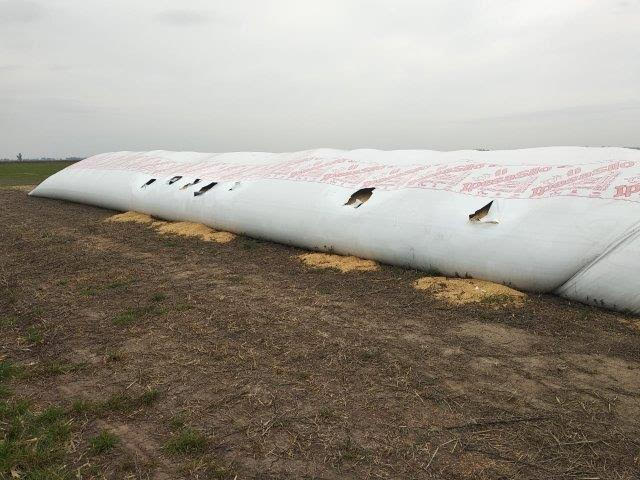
(79, 77)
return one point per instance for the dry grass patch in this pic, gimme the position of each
(22, 188)
(339, 262)
(462, 290)
(633, 322)
(185, 229)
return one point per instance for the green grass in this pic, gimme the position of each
(126, 318)
(149, 397)
(7, 321)
(33, 445)
(4, 391)
(44, 458)
(28, 173)
(327, 413)
(52, 369)
(89, 291)
(370, 354)
(114, 356)
(187, 442)
(81, 406)
(183, 307)
(8, 370)
(119, 284)
(34, 335)
(158, 297)
(350, 452)
(117, 403)
(131, 315)
(103, 442)
(207, 466)
(178, 421)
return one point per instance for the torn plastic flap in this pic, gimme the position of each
(490, 213)
(359, 197)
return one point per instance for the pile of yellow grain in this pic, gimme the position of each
(463, 290)
(185, 229)
(338, 262)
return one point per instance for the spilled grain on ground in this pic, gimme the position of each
(190, 229)
(185, 229)
(135, 217)
(463, 290)
(339, 262)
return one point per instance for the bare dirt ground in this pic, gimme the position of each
(208, 360)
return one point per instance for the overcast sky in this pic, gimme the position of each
(80, 77)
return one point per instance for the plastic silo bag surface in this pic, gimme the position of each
(561, 219)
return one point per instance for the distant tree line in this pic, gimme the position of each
(19, 158)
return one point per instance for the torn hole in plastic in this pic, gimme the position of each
(486, 214)
(205, 189)
(173, 180)
(360, 196)
(190, 184)
(149, 182)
